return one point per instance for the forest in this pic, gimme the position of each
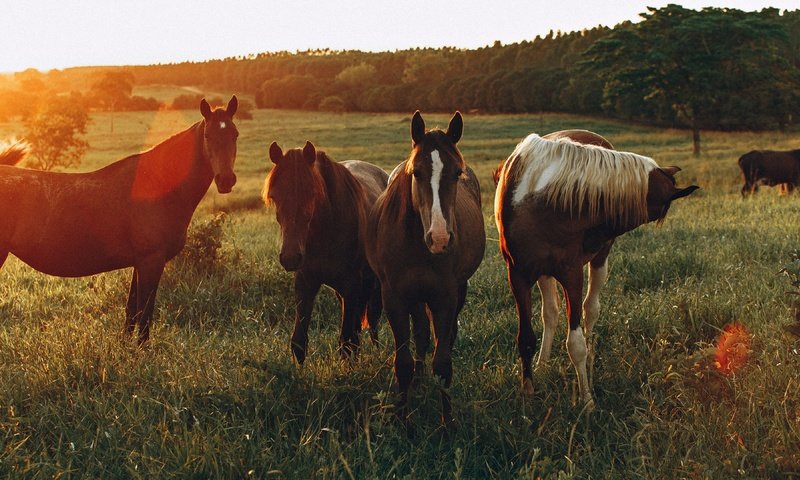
(715, 68)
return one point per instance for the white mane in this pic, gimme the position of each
(610, 185)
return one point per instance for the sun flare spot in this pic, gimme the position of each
(733, 348)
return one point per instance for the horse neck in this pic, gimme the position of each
(177, 167)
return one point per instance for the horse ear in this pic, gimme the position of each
(233, 104)
(275, 153)
(684, 192)
(671, 171)
(417, 128)
(310, 152)
(456, 127)
(205, 108)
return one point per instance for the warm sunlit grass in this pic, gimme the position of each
(217, 394)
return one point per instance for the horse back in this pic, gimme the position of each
(373, 179)
(773, 166)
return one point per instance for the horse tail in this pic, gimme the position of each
(13, 153)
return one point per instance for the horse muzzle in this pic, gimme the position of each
(225, 182)
(291, 261)
(439, 243)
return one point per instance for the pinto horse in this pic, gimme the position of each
(133, 212)
(561, 200)
(322, 208)
(426, 239)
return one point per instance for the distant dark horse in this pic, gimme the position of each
(133, 212)
(561, 201)
(322, 209)
(426, 239)
(768, 167)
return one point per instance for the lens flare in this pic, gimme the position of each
(733, 348)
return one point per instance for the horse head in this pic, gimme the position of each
(295, 188)
(219, 142)
(662, 191)
(436, 165)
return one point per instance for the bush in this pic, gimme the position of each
(203, 243)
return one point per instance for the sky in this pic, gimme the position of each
(47, 34)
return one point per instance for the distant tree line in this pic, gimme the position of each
(716, 68)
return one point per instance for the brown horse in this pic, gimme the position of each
(769, 167)
(133, 212)
(322, 207)
(561, 201)
(426, 240)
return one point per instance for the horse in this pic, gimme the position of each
(426, 238)
(131, 213)
(322, 208)
(769, 167)
(560, 203)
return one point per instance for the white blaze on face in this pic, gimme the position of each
(222, 125)
(439, 236)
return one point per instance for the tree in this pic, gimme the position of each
(54, 134)
(113, 89)
(689, 67)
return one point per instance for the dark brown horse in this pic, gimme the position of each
(561, 201)
(769, 167)
(322, 208)
(426, 240)
(133, 212)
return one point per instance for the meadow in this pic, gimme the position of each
(217, 395)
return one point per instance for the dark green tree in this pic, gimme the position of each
(688, 67)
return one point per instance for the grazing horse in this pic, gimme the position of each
(561, 201)
(133, 212)
(322, 209)
(426, 239)
(768, 167)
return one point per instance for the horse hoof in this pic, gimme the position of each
(299, 354)
(527, 387)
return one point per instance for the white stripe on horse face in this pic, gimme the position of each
(438, 223)
(222, 125)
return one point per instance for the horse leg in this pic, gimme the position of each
(462, 299)
(397, 315)
(598, 275)
(304, 291)
(132, 306)
(422, 336)
(551, 306)
(374, 307)
(526, 338)
(572, 282)
(443, 311)
(148, 276)
(353, 306)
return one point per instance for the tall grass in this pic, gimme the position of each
(217, 394)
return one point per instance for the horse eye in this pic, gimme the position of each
(459, 173)
(415, 172)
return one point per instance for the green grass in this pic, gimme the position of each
(217, 393)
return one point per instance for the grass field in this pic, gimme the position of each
(217, 393)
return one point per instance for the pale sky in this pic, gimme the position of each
(47, 34)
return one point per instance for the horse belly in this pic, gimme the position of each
(72, 249)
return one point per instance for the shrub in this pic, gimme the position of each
(203, 243)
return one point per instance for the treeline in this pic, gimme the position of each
(713, 68)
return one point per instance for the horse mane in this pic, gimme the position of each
(607, 185)
(12, 152)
